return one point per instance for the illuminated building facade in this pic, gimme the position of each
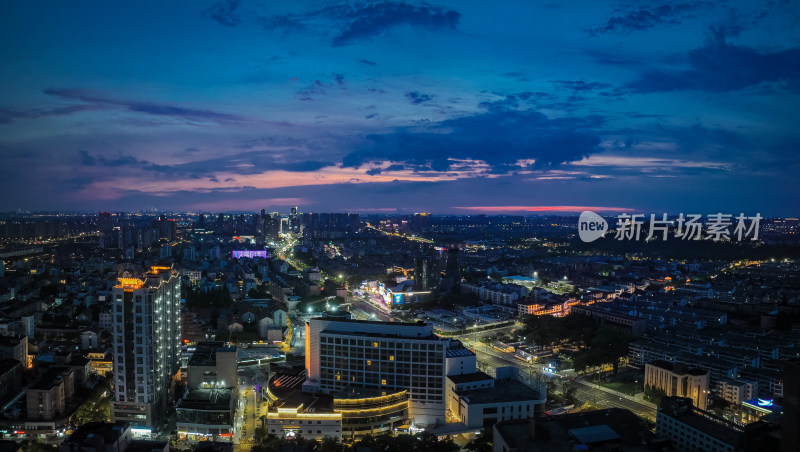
(385, 357)
(207, 410)
(674, 381)
(146, 349)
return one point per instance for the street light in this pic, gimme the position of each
(310, 310)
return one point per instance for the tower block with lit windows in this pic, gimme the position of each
(146, 349)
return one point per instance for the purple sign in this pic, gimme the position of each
(249, 253)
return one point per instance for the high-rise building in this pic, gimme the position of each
(426, 275)
(147, 352)
(342, 353)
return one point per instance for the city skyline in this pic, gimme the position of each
(389, 107)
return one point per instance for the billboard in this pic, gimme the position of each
(237, 254)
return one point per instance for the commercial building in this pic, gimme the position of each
(478, 400)
(108, 437)
(383, 375)
(677, 381)
(354, 411)
(690, 428)
(604, 430)
(207, 410)
(387, 357)
(206, 414)
(147, 351)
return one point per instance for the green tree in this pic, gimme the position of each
(482, 443)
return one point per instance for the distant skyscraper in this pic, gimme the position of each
(426, 275)
(293, 211)
(147, 352)
(453, 268)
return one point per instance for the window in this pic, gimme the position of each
(391, 357)
(375, 344)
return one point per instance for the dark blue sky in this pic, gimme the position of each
(382, 106)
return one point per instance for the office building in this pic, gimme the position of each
(674, 380)
(426, 274)
(147, 352)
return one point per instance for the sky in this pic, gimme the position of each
(452, 107)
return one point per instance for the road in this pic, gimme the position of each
(584, 393)
(370, 310)
(490, 358)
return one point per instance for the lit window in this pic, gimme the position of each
(383, 382)
(375, 344)
(338, 377)
(369, 363)
(391, 357)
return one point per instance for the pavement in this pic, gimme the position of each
(607, 398)
(585, 391)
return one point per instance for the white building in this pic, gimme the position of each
(691, 429)
(478, 400)
(388, 357)
(737, 391)
(147, 351)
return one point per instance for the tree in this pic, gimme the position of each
(32, 445)
(331, 444)
(482, 443)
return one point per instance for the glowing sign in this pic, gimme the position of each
(129, 283)
(237, 254)
(764, 402)
(397, 298)
(290, 434)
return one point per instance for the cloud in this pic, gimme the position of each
(372, 19)
(86, 159)
(368, 62)
(646, 17)
(579, 86)
(9, 116)
(143, 107)
(719, 66)
(416, 97)
(320, 88)
(224, 12)
(120, 159)
(501, 139)
(496, 209)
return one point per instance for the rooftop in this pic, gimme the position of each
(466, 378)
(681, 409)
(207, 399)
(97, 432)
(503, 391)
